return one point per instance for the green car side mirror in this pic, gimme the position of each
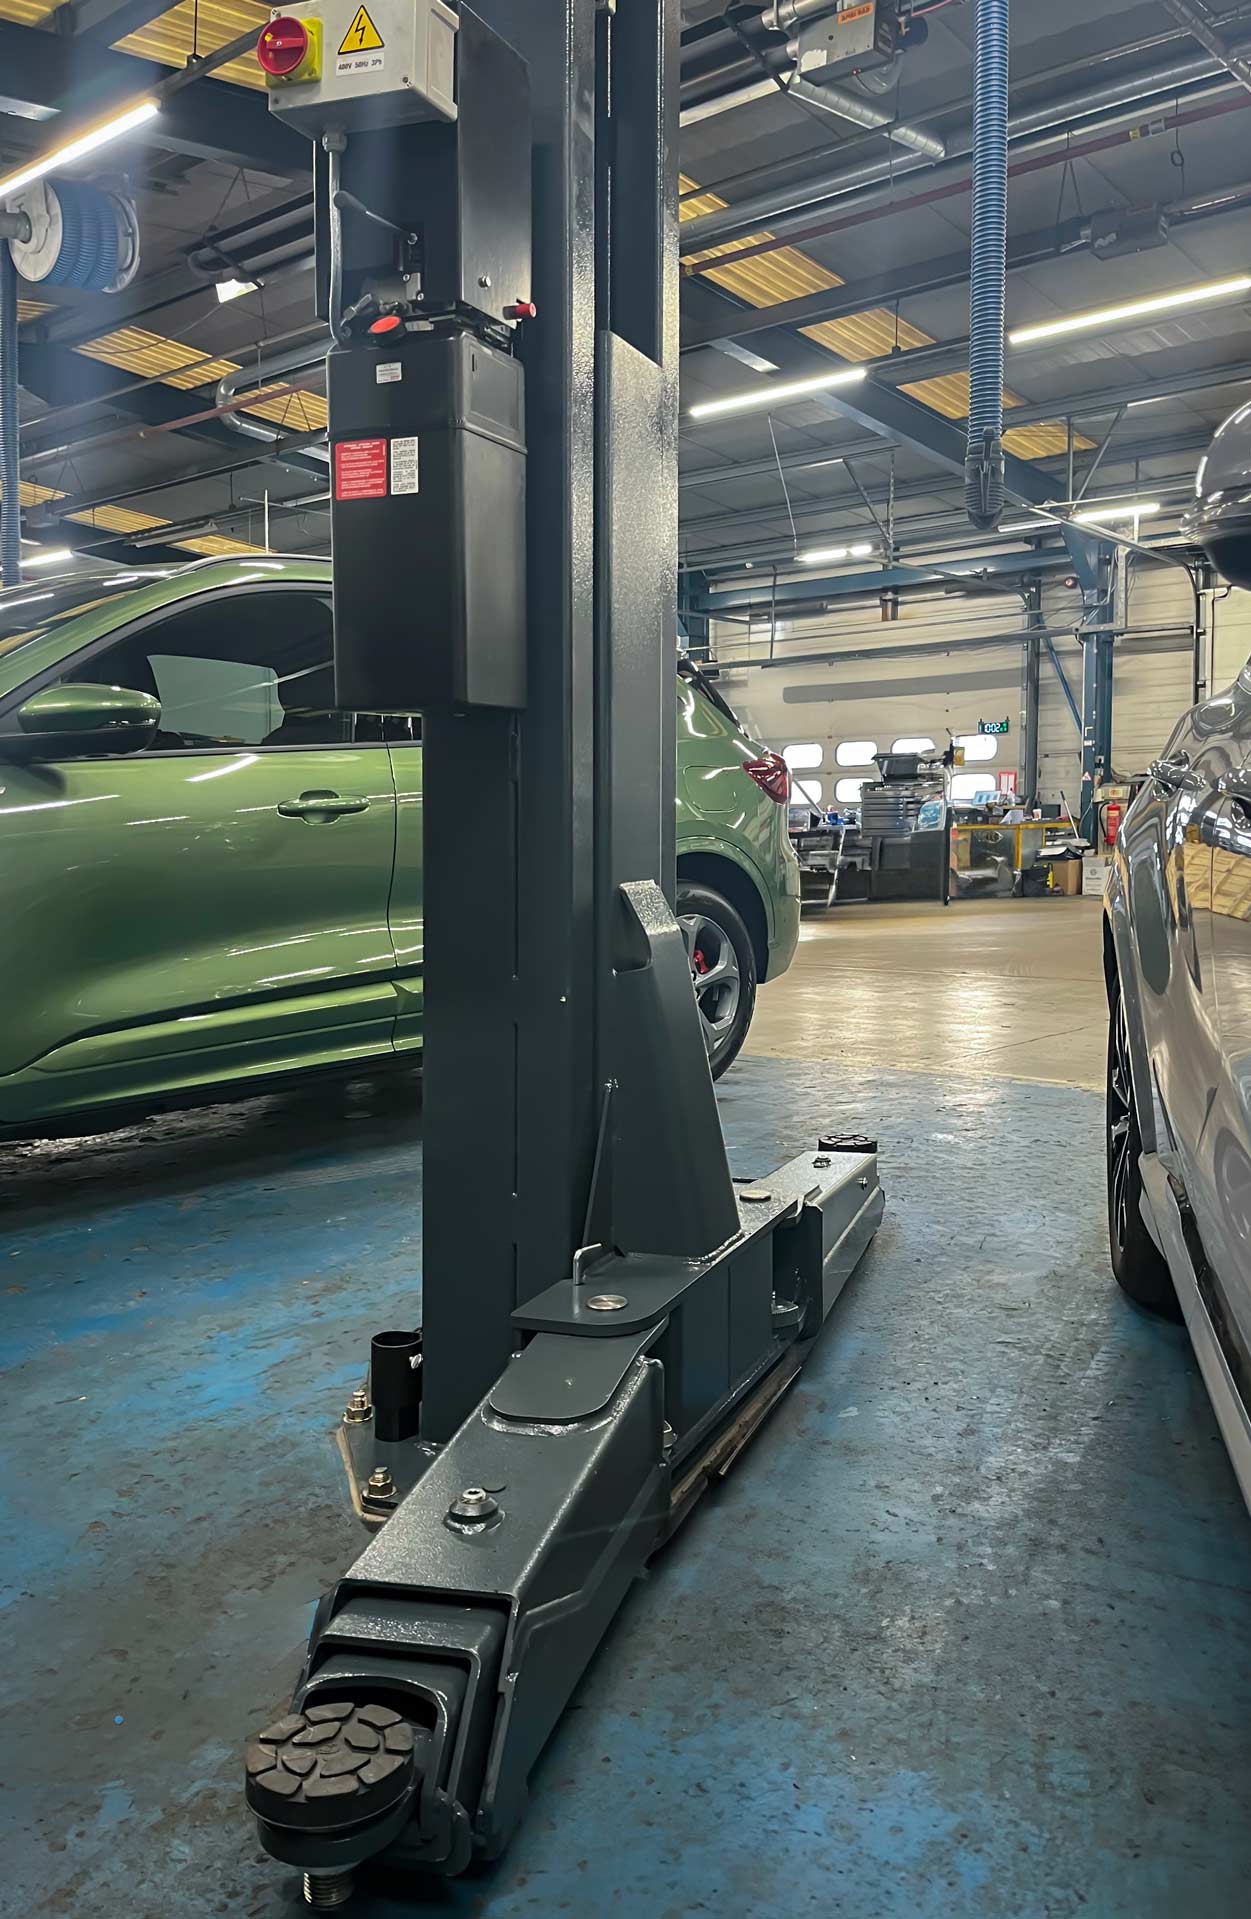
(67, 722)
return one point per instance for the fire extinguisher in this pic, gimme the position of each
(1111, 822)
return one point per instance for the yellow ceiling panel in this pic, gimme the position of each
(117, 519)
(32, 494)
(198, 26)
(218, 545)
(25, 13)
(135, 350)
(1042, 442)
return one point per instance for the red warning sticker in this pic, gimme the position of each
(360, 470)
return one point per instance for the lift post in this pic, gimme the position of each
(1095, 563)
(607, 1316)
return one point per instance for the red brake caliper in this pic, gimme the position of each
(698, 961)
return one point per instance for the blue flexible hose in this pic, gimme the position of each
(983, 465)
(10, 496)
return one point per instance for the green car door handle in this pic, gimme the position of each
(320, 806)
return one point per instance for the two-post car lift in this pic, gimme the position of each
(606, 1316)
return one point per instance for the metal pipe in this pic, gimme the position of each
(1204, 32)
(269, 366)
(10, 487)
(838, 101)
(804, 195)
(862, 113)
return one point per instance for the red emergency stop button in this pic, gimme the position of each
(282, 46)
(386, 323)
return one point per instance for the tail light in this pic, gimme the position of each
(772, 775)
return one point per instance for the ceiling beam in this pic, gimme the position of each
(211, 120)
(710, 328)
(790, 463)
(106, 21)
(760, 599)
(62, 378)
(882, 409)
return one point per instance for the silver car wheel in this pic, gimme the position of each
(715, 976)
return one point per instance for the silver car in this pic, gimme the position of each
(1177, 959)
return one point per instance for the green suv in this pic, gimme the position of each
(212, 878)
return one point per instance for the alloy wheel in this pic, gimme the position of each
(715, 975)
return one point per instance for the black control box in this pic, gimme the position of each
(428, 523)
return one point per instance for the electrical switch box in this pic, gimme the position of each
(382, 63)
(428, 461)
(861, 35)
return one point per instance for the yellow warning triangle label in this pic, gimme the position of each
(362, 36)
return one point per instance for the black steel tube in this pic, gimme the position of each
(395, 1384)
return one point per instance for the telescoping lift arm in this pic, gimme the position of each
(607, 1314)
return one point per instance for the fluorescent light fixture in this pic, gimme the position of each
(1153, 400)
(80, 146)
(55, 556)
(1132, 310)
(1116, 510)
(776, 393)
(830, 555)
(231, 289)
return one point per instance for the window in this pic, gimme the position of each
(978, 746)
(800, 758)
(856, 752)
(971, 786)
(805, 790)
(847, 792)
(914, 744)
(252, 669)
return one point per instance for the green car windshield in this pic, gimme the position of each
(27, 612)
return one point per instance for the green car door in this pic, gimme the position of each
(209, 908)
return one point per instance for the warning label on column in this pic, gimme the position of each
(404, 465)
(360, 470)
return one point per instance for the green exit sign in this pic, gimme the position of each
(993, 726)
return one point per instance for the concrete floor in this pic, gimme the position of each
(981, 987)
(967, 1634)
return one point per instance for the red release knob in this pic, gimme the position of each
(521, 310)
(386, 323)
(282, 46)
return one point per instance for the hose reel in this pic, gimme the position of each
(80, 236)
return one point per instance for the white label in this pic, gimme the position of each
(358, 64)
(404, 465)
(388, 371)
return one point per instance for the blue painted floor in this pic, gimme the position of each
(967, 1633)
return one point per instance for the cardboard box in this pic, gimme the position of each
(1066, 877)
(1095, 874)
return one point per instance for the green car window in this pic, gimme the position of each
(249, 669)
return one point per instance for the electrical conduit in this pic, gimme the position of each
(983, 464)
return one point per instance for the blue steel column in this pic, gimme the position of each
(1095, 564)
